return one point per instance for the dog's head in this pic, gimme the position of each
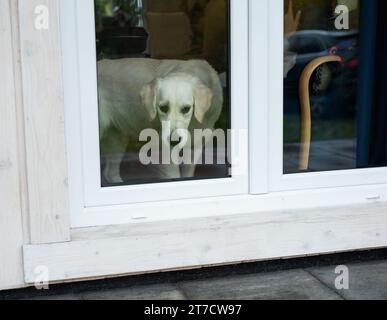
(176, 99)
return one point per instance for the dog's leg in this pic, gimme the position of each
(111, 171)
(113, 148)
(188, 170)
(169, 171)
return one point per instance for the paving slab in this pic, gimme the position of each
(367, 281)
(283, 285)
(152, 292)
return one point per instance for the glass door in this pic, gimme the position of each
(163, 106)
(329, 125)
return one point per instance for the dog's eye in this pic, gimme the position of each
(186, 110)
(164, 108)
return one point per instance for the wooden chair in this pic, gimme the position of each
(306, 112)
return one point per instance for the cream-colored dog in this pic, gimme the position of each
(137, 94)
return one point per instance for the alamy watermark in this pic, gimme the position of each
(342, 279)
(42, 17)
(42, 278)
(199, 146)
(342, 19)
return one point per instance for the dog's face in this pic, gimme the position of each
(175, 100)
(175, 103)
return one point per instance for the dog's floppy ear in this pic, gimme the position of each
(203, 100)
(149, 98)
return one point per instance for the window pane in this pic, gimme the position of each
(163, 80)
(334, 71)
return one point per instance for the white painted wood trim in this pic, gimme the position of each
(121, 250)
(11, 232)
(14, 5)
(44, 124)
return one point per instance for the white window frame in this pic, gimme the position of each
(287, 182)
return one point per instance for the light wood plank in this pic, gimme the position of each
(109, 251)
(11, 233)
(14, 6)
(44, 124)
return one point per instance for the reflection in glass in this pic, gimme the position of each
(348, 102)
(163, 68)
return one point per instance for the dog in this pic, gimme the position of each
(140, 93)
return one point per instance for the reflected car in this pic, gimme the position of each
(329, 81)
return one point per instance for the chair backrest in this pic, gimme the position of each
(306, 112)
(169, 28)
(170, 35)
